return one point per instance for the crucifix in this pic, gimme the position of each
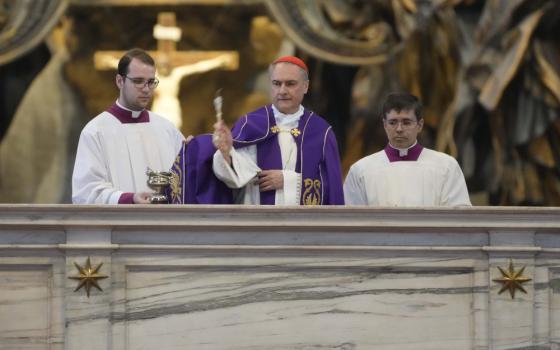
(172, 65)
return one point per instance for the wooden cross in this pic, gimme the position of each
(166, 56)
(172, 65)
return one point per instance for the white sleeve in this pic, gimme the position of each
(455, 192)
(292, 187)
(178, 141)
(354, 191)
(243, 169)
(90, 179)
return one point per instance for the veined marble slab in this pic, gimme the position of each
(30, 305)
(311, 305)
(249, 277)
(24, 307)
(555, 305)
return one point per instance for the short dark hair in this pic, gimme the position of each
(139, 54)
(400, 101)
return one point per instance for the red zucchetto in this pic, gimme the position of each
(294, 60)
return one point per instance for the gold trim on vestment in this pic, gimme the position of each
(312, 193)
(275, 129)
(176, 176)
(312, 188)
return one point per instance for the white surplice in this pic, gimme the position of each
(113, 157)
(435, 179)
(244, 169)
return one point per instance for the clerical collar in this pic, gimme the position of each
(287, 120)
(403, 154)
(126, 116)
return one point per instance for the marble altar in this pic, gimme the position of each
(247, 277)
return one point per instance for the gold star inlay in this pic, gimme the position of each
(511, 280)
(88, 276)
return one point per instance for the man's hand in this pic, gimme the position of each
(270, 180)
(141, 198)
(223, 140)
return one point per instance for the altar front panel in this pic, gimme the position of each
(235, 277)
(276, 301)
(31, 310)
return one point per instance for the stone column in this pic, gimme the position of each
(511, 321)
(88, 325)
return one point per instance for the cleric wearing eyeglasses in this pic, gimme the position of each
(405, 173)
(117, 146)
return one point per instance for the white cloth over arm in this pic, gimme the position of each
(435, 179)
(112, 157)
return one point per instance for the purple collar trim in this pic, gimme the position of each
(413, 153)
(125, 116)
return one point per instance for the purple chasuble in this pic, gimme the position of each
(125, 116)
(193, 180)
(413, 153)
(317, 154)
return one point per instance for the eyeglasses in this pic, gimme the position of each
(405, 123)
(140, 83)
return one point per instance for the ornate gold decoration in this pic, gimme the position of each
(512, 280)
(88, 276)
(275, 129)
(159, 182)
(312, 192)
(295, 132)
(175, 181)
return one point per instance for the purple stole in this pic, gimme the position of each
(413, 153)
(317, 187)
(125, 116)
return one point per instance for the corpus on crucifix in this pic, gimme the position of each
(172, 65)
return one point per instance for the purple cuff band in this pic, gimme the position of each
(126, 198)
